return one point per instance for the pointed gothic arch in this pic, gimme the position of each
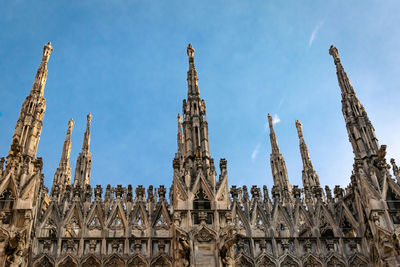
(311, 261)
(44, 261)
(114, 261)
(7, 198)
(138, 218)
(91, 261)
(334, 261)
(161, 219)
(244, 261)
(201, 200)
(117, 218)
(358, 261)
(259, 220)
(95, 218)
(282, 221)
(138, 261)
(161, 261)
(68, 261)
(73, 222)
(265, 261)
(289, 261)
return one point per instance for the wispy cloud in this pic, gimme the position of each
(275, 119)
(255, 152)
(281, 102)
(314, 33)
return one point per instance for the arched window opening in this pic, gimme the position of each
(6, 200)
(201, 203)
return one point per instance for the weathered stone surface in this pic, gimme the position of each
(203, 222)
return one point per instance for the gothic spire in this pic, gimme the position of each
(359, 127)
(278, 165)
(86, 139)
(310, 177)
(272, 136)
(195, 126)
(193, 87)
(62, 177)
(67, 145)
(192, 138)
(41, 74)
(84, 161)
(29, 125)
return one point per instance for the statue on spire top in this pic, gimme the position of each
(190, 51)
(334, 53)
(299, 128)
(71, 124)
(46, 52)
(89, 118)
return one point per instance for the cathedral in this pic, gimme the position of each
(202, 221)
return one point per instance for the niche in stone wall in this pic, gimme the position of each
(115, 246)
(138, 246)
(69, 246)
(160, 246)
(263, 246)
(92, 246)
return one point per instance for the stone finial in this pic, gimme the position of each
(150, 194)
(296, 192)
(270, 122)
(299, 128)
(129, 194)
(275, 193)
(255, 192)
(88, 119)
(119, 191)
(98, 191)
(46, 52)
(234, 192)
(245, 193)
(190, 50)
(328, 193)
(334, 53)
(222, 164)
(71, 124)
(338, 192)
(140, 192)
(161, 192)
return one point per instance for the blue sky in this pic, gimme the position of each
(125, 62)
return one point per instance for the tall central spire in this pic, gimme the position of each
(195, 126)
(359, 127)
(192, 140)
